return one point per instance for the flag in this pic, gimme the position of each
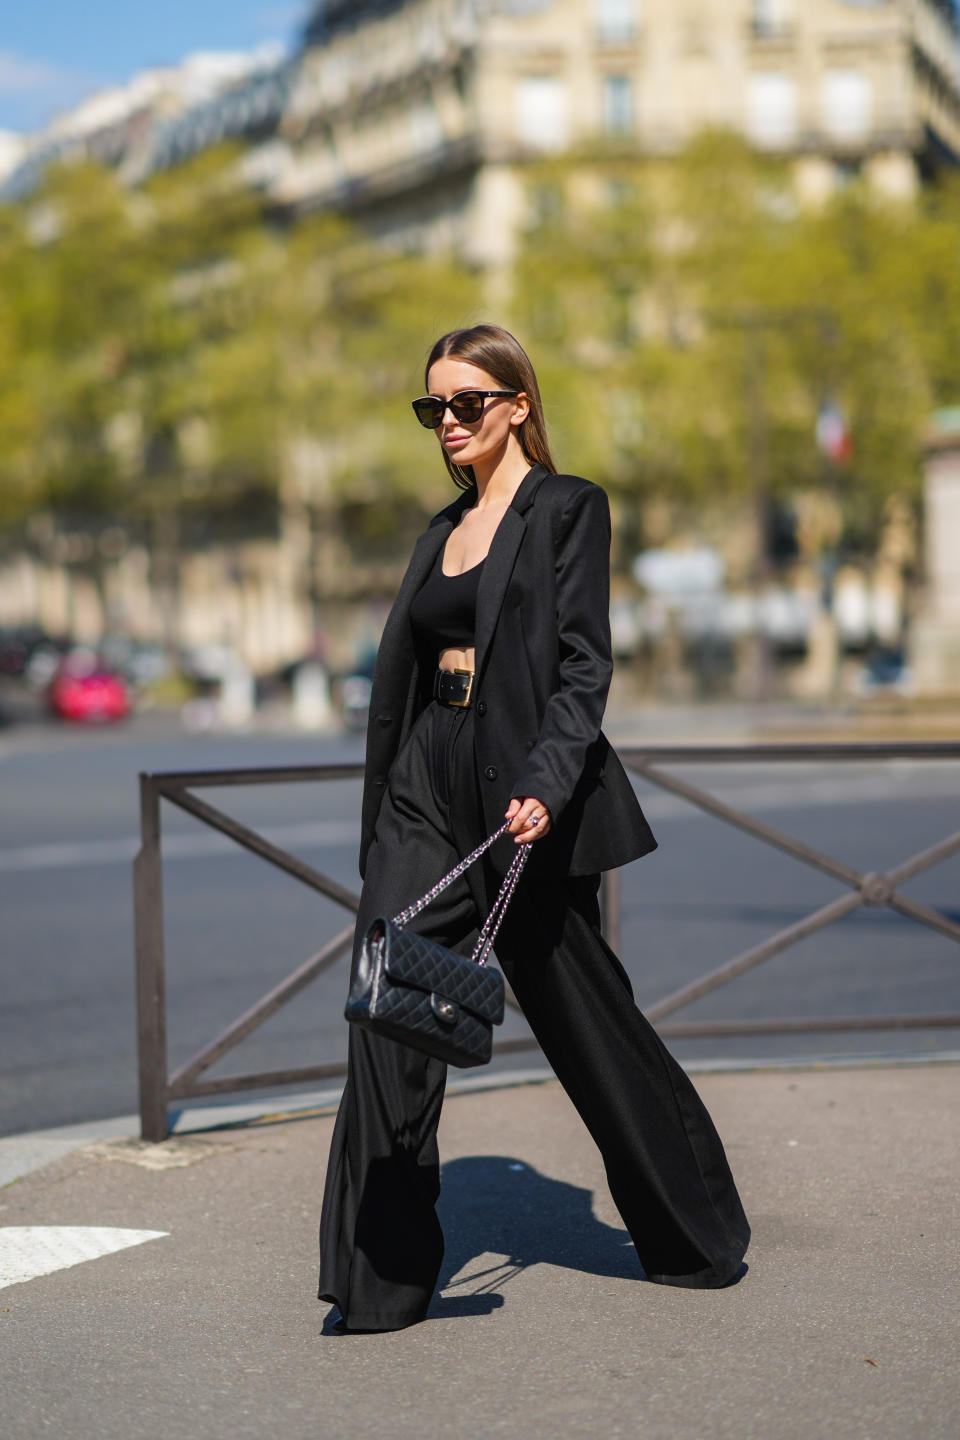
(833, 434)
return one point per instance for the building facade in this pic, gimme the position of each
(419, 116)
(158, 119)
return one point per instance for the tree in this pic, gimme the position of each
(169, 352)
(857, 302)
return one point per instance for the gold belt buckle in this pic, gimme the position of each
(462, 704)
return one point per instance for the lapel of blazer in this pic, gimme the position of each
(396, 637)
(500, 561)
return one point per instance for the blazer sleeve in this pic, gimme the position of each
(574, 713)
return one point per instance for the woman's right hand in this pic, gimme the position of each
(529, 819)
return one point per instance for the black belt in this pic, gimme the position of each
(453, 687)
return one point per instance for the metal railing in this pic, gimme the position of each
(158, 1088)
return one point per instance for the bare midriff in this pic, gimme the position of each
(454, 659)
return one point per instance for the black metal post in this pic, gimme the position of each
(151, 997)
(610, 893)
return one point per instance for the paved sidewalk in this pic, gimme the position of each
(846, 1324)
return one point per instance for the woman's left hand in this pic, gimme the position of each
(529, 819)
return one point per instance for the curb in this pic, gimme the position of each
(21, 1155)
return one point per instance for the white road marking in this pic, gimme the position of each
(809, 794)
(797, 793)
(69, 854)
(28, 1251)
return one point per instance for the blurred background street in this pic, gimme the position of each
(69, 831)
(728, 234)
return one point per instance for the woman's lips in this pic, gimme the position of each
(454, 442)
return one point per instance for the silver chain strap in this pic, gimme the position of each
(492, 923)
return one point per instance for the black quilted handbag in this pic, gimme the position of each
(417, 992)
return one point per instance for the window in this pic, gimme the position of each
(546, 203)
(620, 193)
(847, 104)
(621, 315)
(847, 172)
(542, 111)
(426, 132)
(770, 16)
(771, 109)
(617, 104)
(615, 19)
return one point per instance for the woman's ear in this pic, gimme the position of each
(521, 408)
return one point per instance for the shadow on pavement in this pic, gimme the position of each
(495, 1205)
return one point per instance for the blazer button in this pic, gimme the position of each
(491, 772)
(481, 707)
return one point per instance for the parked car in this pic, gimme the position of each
(885, 672)
(85, 690)
(140, 662)
(352, 694)
(27, 653)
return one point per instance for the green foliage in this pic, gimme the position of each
(743, 311)
(169, 348)
(173, 347)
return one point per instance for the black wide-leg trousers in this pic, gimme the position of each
(381, 1245)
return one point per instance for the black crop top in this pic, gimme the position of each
(443, 613)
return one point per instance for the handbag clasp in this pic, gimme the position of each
(445, 1010)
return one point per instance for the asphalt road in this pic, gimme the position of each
(234, 926)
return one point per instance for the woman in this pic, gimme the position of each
(490, 686)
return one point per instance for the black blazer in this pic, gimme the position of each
(543, 667)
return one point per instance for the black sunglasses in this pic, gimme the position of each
(467, 407)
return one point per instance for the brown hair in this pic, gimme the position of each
(495, 350)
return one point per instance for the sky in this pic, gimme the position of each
(55, 52)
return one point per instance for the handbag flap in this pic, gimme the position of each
(413, 960)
